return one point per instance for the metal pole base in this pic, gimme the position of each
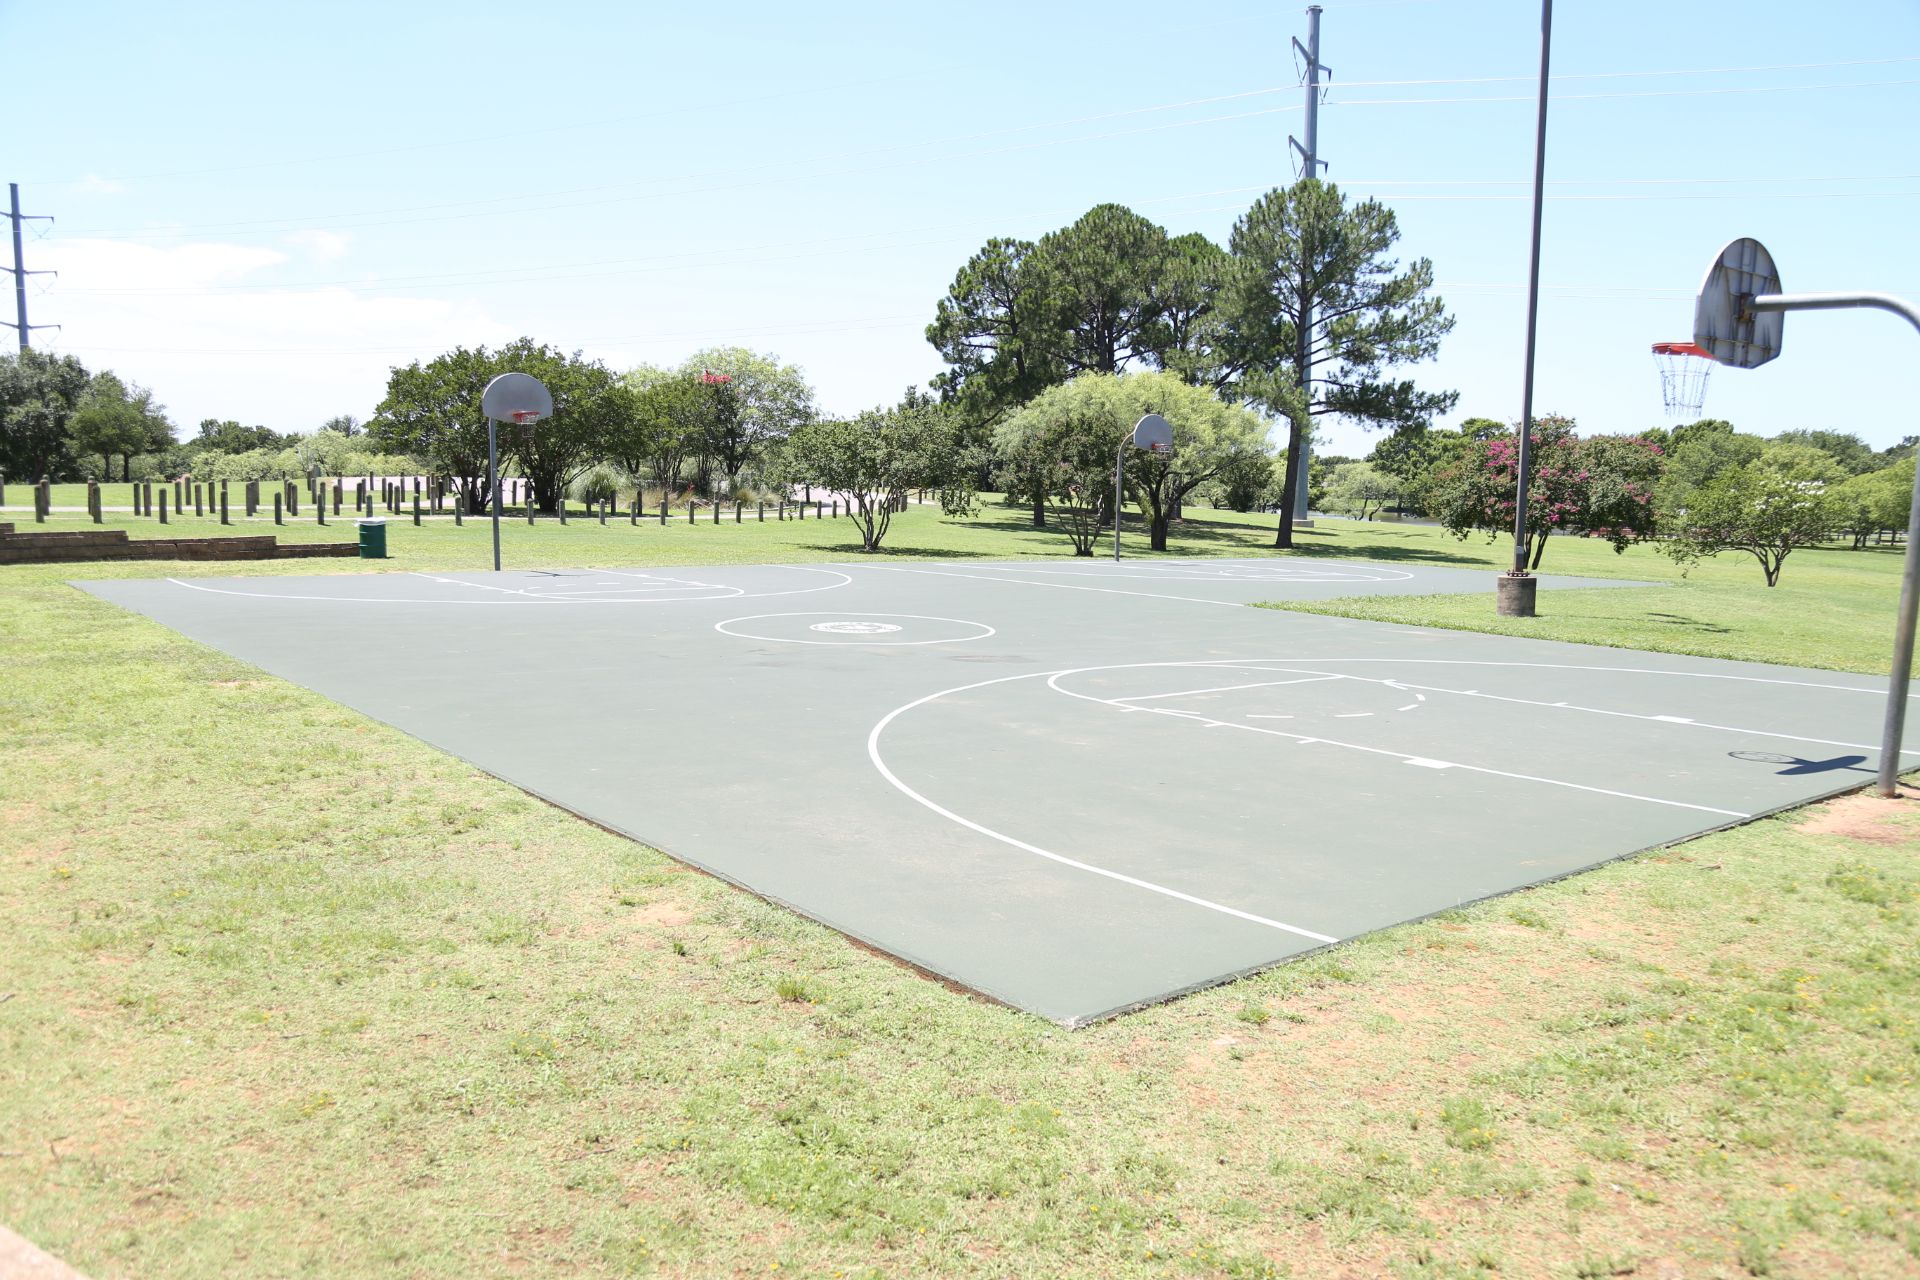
(1513, 595)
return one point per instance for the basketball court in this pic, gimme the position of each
(1072, 785)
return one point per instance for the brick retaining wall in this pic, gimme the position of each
(114, 544)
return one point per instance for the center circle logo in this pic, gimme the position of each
(854, 628)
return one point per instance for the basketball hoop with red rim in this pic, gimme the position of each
(1684, 367)
(524, 416)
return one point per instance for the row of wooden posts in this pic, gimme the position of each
(393, 495)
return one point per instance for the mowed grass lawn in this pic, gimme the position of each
(284, 991)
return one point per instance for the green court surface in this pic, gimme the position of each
(1074, 786)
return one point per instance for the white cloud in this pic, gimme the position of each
(323, 245)
(206, 328)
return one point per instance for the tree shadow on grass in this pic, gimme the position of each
(854, 550)
(1681, 621)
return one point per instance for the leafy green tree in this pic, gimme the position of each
(432, 412)
(1097, 411)
(1186, 332)
(757, 404)
(227, 436)
(875, 458)
(1360, 489)
(1603, 487)
(665, 425)
(1848, 451)
(989, 330)
(344, 424)
(1765, 511)
(1303, 249)
(39, 393)
(1097, 283)
(1877, 501)
(587, 404)
(1242, 485)
(108, 422)
(1415, 454)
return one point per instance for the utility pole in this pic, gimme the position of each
(1515, 590)
(1310, 166)
(20, 272)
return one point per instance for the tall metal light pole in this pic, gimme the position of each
(1515, 594)
(1310, 166)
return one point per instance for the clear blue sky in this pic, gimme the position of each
(263, 207)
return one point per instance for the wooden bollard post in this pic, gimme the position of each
(689, 513)
(603, 510)
(800, 510)
(781, 514)
(561, 508)
(763, 511)
(716, 513)
(320, 510)
(293, 500)
(223, 506)
(148, 487)
(736, 511)
(663, 513)
(633, 512)
(197, 510)
(459, 510)
(93, 502)
(416, 506)
(359, 495)
(179, 497)
(163, 504)
(817, 509)
(529, 507)
(42, 502)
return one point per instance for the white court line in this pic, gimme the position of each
(1053, 682)
(1229, 688)
(873, 754)
(1688, 721)
(1251, 664)
(1259, 573)
(455, 582)
(1057, 586)
(529, 599)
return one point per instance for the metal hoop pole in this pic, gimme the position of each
(1903, 627)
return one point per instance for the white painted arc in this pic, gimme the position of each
(734, 593)
(879, 763)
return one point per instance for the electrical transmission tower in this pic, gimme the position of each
(19, 268)
(1310, 166)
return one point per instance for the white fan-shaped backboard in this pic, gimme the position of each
(1725, 324)
(1152, 432)
(513, 393)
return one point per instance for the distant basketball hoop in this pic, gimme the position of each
(524, 416)
(1684, 367)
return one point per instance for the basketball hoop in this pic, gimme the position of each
(524, 416)
(1684, 367)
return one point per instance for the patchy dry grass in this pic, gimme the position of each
(290, 992)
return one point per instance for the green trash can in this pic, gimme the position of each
(373, 539)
